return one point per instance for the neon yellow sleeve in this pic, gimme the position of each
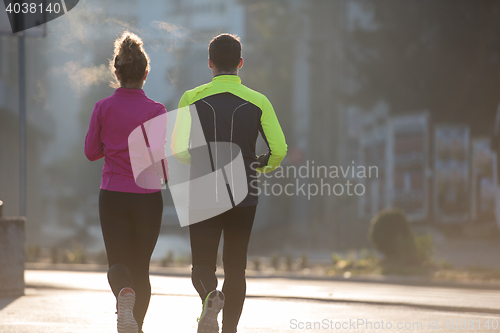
(274, 135)
(182, 132)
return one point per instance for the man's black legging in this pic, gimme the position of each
(205, 236)
(130, 224)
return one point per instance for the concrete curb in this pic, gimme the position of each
(186, 272)
(12, 256)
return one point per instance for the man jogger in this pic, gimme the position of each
(228, 112)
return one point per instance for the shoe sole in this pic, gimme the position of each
(126, 320)
(208, 321)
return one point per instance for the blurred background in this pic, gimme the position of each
(408, 86)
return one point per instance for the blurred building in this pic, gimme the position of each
(348, 80)
(39, 129)
(296, 51)
(68, 73)
(190, 25)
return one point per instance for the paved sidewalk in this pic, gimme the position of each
(65, 301)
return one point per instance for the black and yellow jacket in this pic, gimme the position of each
(231, 112)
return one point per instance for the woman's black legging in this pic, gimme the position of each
(130, 224)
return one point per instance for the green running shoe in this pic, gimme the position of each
(207, 322)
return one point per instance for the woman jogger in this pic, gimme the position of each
(130, 214)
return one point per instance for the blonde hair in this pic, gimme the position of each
(130, 60)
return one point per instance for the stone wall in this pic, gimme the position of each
(11, 255)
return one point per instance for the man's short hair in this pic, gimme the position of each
(225, 52)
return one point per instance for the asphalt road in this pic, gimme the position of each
(81, 302)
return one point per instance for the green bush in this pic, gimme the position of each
(101, 258)
(304, 261)
(275, 261)
(391, 235)
(289, 262)
(54, 254)
(168, 259)
(424, 246)
(77, 256)
(336, 258)
(256, 263)
(183, 259)
(33, 253)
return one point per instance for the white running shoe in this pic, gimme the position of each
(126, 320)
(207, 322)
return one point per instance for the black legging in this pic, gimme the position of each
(205, 236)
(130, 224)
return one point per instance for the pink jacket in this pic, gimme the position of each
(112, 121)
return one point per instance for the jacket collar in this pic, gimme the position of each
(227, 78)
(128, 91)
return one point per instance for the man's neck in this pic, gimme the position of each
(217, 73)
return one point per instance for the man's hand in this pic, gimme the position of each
(263, 159)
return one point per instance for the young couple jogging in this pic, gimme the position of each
(131, 215)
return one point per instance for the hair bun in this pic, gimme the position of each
(130, 49)
(130, 60)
